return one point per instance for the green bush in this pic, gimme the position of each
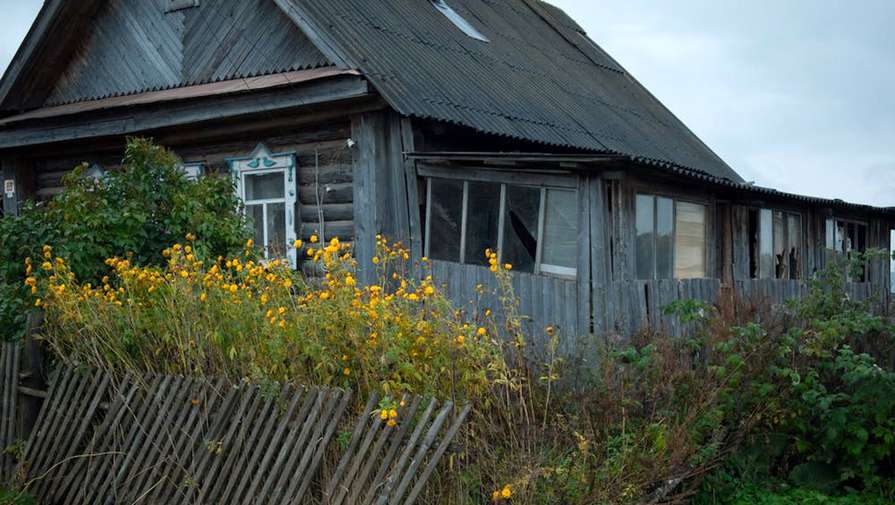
(133, 212)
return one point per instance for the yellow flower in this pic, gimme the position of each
(413, 297)
(234, 288)
(249, 244)
(324, 295)
(38, 302)
(507, 266)
(429, 290)
(392, 414)
(203, 297)
(314, 239)
(188, 249)
(481, 332)
(460, 339)
(506, 492)
(350, 281)
(190, 237)
(297, 244)
(383, 414)
(495, 496)
(47, 265)
(184, 274)
(375, 260)
(287, 283)
(391, 423)
(346, 371)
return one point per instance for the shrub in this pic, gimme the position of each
(237, 317)
(135, 212)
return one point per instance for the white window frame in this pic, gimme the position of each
(261, 161)
(540, 268)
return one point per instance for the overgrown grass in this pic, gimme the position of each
(650, 421)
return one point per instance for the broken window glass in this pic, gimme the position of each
(766, 244)
(521, 227)
(794, 245)
(445, 219)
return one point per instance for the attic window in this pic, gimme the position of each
(176, 5)
(458, 20)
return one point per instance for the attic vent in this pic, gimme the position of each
(176, 5)
(458, 20)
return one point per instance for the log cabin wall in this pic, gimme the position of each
(324, 169)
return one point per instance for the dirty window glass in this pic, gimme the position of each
(521, 227)
(690, 243)
(560, 230)
(264, 186)
(645, 228)
(445, 219)
(766, 244)
(664, 237)
(483, 216)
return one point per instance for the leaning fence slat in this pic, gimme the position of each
(378, 482)
(436, 456)
(9, 382)
(421, 452)
(331, 425)
(352, 445)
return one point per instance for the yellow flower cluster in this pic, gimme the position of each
(242, 316)
(494, 263)
(504, 493)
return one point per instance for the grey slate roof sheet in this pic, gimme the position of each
(538, 79)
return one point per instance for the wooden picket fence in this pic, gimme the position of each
(161, 439)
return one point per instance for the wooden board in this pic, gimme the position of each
(10, 355)
(164, 439)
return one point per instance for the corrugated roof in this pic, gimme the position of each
(538, 79)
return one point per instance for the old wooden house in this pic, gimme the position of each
(452, 125)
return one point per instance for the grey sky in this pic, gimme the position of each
(794, 94)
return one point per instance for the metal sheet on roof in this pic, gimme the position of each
(538, 79)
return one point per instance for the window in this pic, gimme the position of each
(462, 24)
(266, 185)
(535, 229)
(193, 170)
(892, 261)
(775, 244)
(845, 237)
(670, 238)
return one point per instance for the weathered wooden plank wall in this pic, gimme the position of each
(135, 45)
(10, 356)
(543, 301)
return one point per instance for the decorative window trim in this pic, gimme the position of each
(550, 182)
(261, 161)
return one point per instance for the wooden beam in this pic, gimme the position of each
(141, 119)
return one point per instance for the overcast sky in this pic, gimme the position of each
(794, 94)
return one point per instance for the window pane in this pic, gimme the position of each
(276, 230)
(766, 244)
(831, 234)
(780, 258)
(664, 237)
(690, 246)
(521, 229)
(264, 186)
(256, 214)
(645, 226)
(445, 220)
(561, 229)
(794, 228)
(483, 209)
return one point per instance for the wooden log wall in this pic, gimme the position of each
(323, 163)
